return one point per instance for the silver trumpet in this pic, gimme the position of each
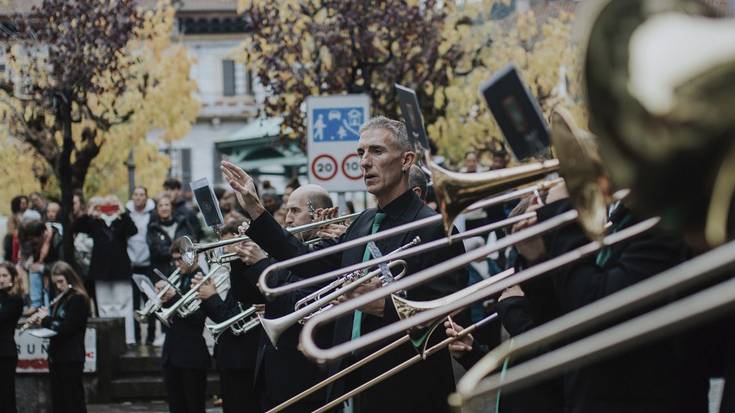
(191, 249)
(339, 282)
(152, 306)
(276, 326)
(239, 324)
(189, 303)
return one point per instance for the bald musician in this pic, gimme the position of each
(284, 372)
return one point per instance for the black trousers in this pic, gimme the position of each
(7, 389)
(67, 389)
(238, 394)
(186, 389)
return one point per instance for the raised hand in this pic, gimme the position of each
(244, 188)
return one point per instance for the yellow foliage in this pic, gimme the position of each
(168, 106)
(539, 46)
(16, 173)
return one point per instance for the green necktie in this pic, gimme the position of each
(357, 320)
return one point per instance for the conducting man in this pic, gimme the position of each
(284, 372)
(386, 157)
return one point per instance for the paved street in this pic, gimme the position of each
(147, 407)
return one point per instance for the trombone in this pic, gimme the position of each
(239, 324)
(581, 163)
(391, 232)
(276, 326)
(191, 249)
(578, 163)
(414, 306)
(189, 303)
(312, 350)
(697, 271)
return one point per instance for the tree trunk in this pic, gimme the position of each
(63, 105)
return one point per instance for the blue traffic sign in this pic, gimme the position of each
(337, 124)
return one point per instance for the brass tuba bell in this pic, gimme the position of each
(658, 77)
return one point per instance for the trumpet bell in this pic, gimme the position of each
(275, 327)
(660, 93)
(456, 191)
(189, 253)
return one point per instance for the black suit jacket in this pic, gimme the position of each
(11, 308)
(665, 376)
(184, 346)
(231, 352)
(284, 372)
(423, 387)
(69, 319)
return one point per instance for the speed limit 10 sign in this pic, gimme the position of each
(333, 132)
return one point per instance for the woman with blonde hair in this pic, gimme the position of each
(11, 308)
(67, 317)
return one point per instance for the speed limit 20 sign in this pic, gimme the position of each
(333, 131)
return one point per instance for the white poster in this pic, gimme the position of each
(33, 352)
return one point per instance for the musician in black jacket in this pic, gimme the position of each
(68, 318)
(385, 158)
(11, 308)
(185, 356)
(234, 354)
(284, 372)
(665, 376)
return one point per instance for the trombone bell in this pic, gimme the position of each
(456, 191)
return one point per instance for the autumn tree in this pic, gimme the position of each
(537, 41)
(82, 78)
(300, 48)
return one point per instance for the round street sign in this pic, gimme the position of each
(351, 166)
(324, 167)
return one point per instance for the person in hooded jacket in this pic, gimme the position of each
(163, 229)
(139, 207)
(110, 226)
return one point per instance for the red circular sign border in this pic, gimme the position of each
(313, 163)
(344, 171)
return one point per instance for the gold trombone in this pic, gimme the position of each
(697, 271)
(269, 291)
(584, 194)
(191, 249)
(458, 192)
(408, 308)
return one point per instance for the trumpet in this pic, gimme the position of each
(239, 324)
(276, 326)
(191, 249)
(33, 318)
(350, 277)
(152, 306)
(189, 303)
